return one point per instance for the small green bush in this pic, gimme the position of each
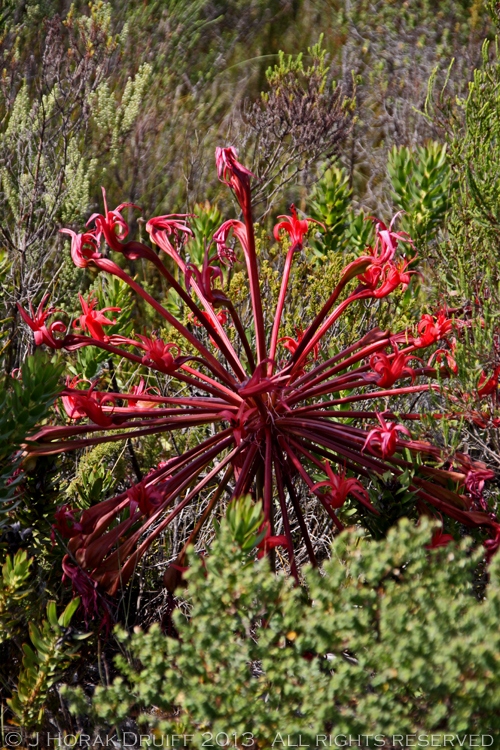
(388, 640)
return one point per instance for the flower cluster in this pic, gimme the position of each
(279, 422)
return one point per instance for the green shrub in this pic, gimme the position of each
(390, 640)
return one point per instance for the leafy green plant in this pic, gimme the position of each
(53, 646)
(24, 404)
(390, 640)
(244, 518)
(422, 182)
(13, 589)
(206, 221)
(330, 203)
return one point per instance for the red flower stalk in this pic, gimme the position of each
(269, 425)
(296, 229)
(206, 278)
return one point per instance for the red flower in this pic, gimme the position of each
(220, 238)
(158, 353)
(371, 277)
(147, 498)
(486, 387)
(93, 320)
(295, 227)
(233, 174)
(69, 401)
(393, 275)
(139, 390)
(43, 335)
(433, 330)
(80, 404)
(384, 438)
(440, 353)
(112, 225)
(84, 247)
(386, 370)
(439, 539)
(270, 542)
(161, 227)
(340, 488)
(386, 240)
(65, 523)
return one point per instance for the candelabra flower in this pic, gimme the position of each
(270, 426)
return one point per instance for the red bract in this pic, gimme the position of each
(268, 425)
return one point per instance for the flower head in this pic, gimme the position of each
(93, 320)
(84, 247)
(386, 242)
(65, 523)
(270, 542)
(158, 353)
(43, 335)
(387, 370)
(487, 386)
(433, 329)
(340, 488)
(139, 390)
(385, 438)
(295, 228)
(233, 174)
(111, 224)
(162, 228)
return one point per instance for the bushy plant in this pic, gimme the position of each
(389, 640)
(25, 402)
(422, 184)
